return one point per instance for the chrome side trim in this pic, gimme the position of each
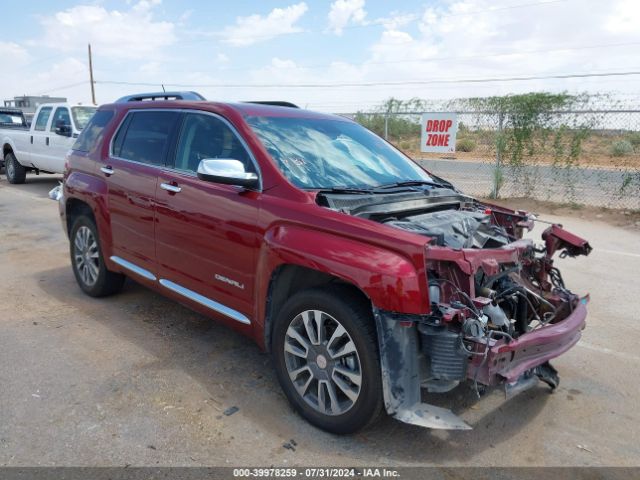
(133, 268)
(207, 302)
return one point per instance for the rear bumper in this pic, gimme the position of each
(507, 362)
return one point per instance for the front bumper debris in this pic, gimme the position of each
(401, 378)
(508, 361)
(517, 365)
(56, 194)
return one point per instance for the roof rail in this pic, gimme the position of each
(276, 103)
(140, 97)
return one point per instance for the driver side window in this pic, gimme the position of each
(205, 136)
(61, 118)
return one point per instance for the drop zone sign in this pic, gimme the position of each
(438, 132)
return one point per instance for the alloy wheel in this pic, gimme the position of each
(322, 362)
(86, 255)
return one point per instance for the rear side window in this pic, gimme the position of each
(93, 132)
(43, 118)
(145, 136)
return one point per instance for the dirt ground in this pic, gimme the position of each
(136, 379)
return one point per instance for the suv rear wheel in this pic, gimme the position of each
(88, 263)
(326, 357)
(15, 172)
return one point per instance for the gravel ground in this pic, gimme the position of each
(136, 379)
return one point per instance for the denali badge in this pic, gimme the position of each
(229, 281)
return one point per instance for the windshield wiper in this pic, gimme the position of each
(347, 190)
(409, 183)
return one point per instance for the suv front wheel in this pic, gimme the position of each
(88, 263)
(326, 357)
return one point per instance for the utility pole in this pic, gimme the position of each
(93, 88)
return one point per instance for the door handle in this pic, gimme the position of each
(47, 141)
(31, 139)
(107, 170)
(170, 188)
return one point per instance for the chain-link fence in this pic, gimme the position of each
(589, 157)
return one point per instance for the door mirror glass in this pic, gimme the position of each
(226, 171)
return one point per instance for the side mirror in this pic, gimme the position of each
(63, 129)
(227, 172)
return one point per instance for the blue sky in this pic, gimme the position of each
(306, 51)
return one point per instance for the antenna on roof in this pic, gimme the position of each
(162, 85)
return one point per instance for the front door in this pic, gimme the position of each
(59, 145)
(206, 239)
(139, 151)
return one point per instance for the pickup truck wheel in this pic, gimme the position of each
(15, 172)
(326, 357)
(88, 264)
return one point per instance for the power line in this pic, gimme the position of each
(372, 84)
(62, 87)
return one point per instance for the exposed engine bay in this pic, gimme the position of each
(499, 307)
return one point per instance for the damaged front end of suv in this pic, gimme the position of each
(499, 307)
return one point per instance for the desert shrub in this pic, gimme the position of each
(621, 148)
(465, 145)
(406, 145)
(634, 139)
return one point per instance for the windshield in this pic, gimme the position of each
(81, 115)
(326, 153)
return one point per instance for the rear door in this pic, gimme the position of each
(206, 233)
(39, 138)
(138, 151)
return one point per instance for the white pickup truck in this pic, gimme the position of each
(43, 146)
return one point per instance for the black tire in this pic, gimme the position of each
(15, 172)
(106, 282)
(354, 314)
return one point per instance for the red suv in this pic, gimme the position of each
(367, 278)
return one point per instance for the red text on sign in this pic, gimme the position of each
(438, 139)
(439, 125)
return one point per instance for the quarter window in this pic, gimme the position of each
(43, 118)
(146, 138)
(205, 136)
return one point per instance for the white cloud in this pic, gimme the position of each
(396, 20)
(13, 54)
(257, 28)
(184, 17)
(625, 17)
(146, 5)
(343, 12)
(131, 34)
(454, 41)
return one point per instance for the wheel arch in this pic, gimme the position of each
(75, 208)
(7, 148)
(288, 279)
